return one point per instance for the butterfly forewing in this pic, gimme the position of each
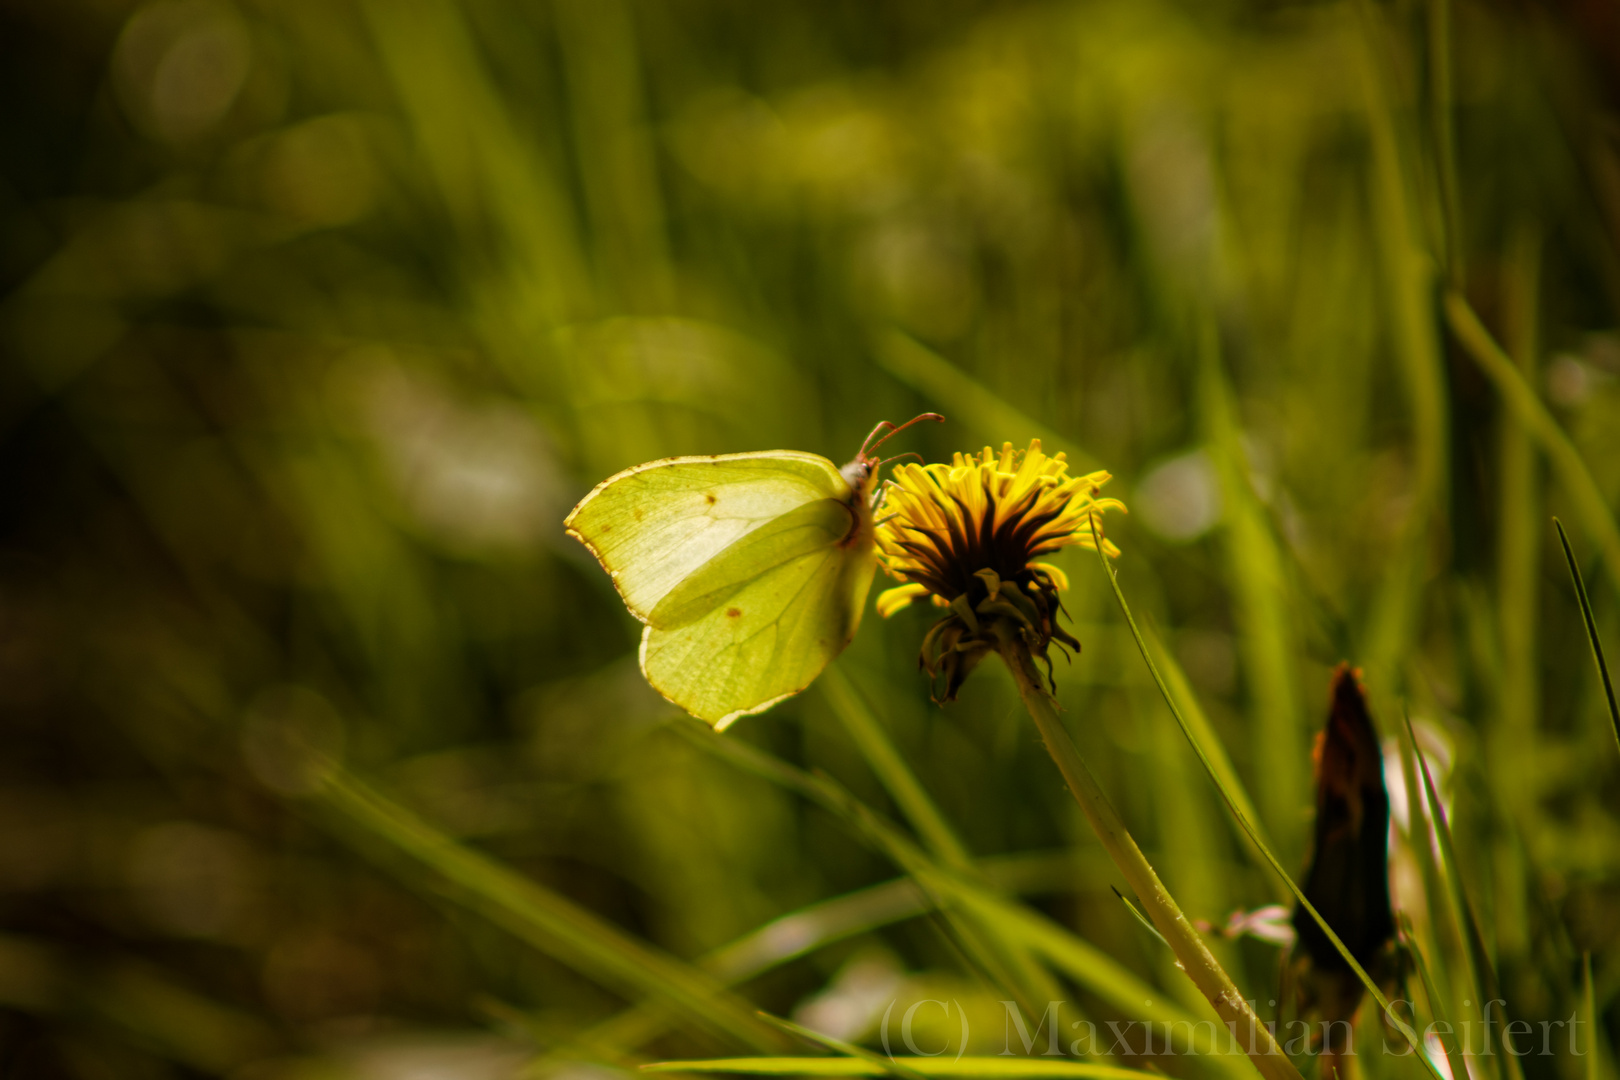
(810, 529)
(655, 525)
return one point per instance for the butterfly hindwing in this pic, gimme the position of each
(766, 640)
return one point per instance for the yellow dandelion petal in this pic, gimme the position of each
(1060, 580)
(892, 600)
(941, 524)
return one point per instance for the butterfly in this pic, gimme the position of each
(750, 571)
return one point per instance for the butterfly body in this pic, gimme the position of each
(750, 571)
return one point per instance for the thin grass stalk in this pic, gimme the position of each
(1191, 853)
(1595, 642)
(1220, 763)
(1487, 987)
(936, 833)
(1437, 1002)
(888, 1065)
(1184, 940)
(1594, 1069)
(966, 1067)
(1192, 846)
(1420, 840)
(1260, 599)
(892, 772)
(1008, 969)
(1518, 577)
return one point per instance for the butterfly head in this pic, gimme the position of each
(861, 476)
(862, 473)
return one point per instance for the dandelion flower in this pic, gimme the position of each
(968, 536)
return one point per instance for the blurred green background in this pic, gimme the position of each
(318, 317)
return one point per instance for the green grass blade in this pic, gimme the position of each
(964, 398)
(1422, 846)
(1408, 283)
(771, 945)
(924, 1066)
(1260, 600)
(482, 166)
(813, 926)
(888, 1065)
(623, 200)
(1526, 405)
(1248, 825)
(925, 817)
(1136, 912)
(825, 922)
(1176, 681)
(1594, 1068)
(1591, 630)
(883, 836)
(1521, 494)
(1089, 967)
(897, 779)
(1481, 971)
(936, 881)
(1437, 1004)
(551, 923)
(1445, 147)
(1082, 962)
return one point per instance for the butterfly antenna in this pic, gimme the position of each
(893, 430)
(881, 424)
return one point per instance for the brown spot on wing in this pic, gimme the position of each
(709, 496)
(732, 613)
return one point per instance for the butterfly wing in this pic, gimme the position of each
(750, 570)
(654, 526)
(763, 619)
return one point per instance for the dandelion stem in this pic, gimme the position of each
(1194, 957)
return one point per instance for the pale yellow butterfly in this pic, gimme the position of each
(750, 570)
